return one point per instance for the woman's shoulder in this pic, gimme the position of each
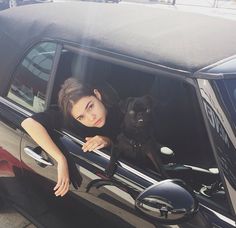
(52, 117)
(51, 111)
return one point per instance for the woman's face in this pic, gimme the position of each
(90, 111)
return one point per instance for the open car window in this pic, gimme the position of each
(177, 121)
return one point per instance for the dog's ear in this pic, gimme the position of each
(124, 104)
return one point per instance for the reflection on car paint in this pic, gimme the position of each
(225, 143)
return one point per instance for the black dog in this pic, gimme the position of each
(136, 141)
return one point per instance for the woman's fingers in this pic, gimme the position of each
(97, 146)
(65, 190)
(89, 146)
(62, 188)
(100, 146)
(96, 142)
(90, 143)
(57, 186)
(62, 185)
(88, 138)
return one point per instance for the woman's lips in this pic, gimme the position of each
(98, 122)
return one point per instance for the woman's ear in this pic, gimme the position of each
(97, 94)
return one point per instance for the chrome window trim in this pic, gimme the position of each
(151, 180)
(11, 105)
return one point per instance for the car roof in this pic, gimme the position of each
(179, 40)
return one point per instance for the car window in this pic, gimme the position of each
(31, 77)
(177, 123)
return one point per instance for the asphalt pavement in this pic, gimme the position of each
(10, 218)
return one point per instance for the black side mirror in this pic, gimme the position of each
(169, 201)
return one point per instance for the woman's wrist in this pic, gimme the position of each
(60, 158)
(108, 141)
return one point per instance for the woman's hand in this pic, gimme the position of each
(63, 180)
(40, 135)
(95, 143)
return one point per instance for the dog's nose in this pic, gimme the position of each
(92, 117)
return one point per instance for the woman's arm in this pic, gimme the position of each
(40, 135)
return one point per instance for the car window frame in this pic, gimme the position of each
(120, 60)
(123, 61)
(105, 56)
(16, 105)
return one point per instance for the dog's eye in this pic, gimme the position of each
(131, 112)
(148, 110)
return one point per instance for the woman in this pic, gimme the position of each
(90, 112)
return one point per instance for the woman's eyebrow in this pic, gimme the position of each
(88, 104)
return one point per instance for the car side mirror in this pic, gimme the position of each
(168, 201)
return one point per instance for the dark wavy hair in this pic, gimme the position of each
(73, 90)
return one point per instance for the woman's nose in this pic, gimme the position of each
(92, 116)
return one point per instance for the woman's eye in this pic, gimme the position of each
(91, 106)
(80, 118)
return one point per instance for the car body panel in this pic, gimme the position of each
(223, 135)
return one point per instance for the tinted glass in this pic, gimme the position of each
(30, 81)
(231, 88)
(227, 92)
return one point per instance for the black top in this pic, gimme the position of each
(53, 118)
(171, 38)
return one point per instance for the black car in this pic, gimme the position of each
(185, 61)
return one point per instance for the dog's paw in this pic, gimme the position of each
(167, 151)
(110, 170)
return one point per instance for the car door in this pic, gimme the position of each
(10, 137)
(30, 89)
(26, 93)
(190, 133)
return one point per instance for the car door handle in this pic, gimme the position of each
(30, 151)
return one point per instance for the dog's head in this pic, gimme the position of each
(137, 111)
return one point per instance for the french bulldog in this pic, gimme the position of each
(136, 142)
